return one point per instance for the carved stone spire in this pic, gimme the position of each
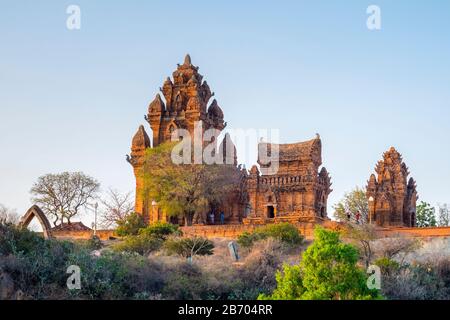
(187, 60)
(157, 105)
(214, 110)
(394, 197)
(140, 140)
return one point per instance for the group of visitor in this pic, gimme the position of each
(357, 217)
(212, 217)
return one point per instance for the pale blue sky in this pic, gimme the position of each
(72, 100)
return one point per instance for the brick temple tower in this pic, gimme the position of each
(183, 106)
(392, 197)
(297, 192)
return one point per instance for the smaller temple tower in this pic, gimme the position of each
(392, 197)
(139, 144)
(297, 192)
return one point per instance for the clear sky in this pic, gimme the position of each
(72, 100)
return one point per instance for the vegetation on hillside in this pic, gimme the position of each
(152, 264)
(285, 232)
(328, 271)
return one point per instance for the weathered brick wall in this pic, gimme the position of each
(83, 235)
(415, 232)
(233, 231)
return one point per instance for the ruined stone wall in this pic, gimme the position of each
(83, 235)
(415, 232)
(233, 231)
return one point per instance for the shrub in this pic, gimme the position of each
(14, 239)
(285, 232)
(161, 230)
(247, 239)
(115, 276)
(148, 239)
(387, 265)
(428, 280)
(94, 243)
(289, 284)
(185, 281)
(327, 271)
(189, 247)
(257, 274)
(142, 244)
(131, 225)
(38, 266)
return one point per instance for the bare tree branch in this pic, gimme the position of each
(117, 207)
(62, 196)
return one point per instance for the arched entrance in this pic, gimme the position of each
(270, 212)
(35, 211)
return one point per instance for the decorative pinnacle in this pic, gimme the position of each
(187, 60)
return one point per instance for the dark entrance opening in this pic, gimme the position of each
(173, 220)
(270, 212)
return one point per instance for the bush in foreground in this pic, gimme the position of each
(189, 247)
(285, 232)
(147, 239)
(328, 271)
(130, 225)
(141, 244)
(161, 230)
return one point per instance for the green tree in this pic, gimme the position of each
(426, 215)
(131, 225)
(328, 271)
(352, 203)
(185, 189)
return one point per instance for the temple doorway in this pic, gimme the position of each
(270, 212)
(322, 212)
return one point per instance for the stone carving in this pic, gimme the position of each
(392, 197)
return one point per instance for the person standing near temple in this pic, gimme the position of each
(357, 216)
(222, 217)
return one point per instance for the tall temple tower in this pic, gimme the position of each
(186, 98)
(392, 197)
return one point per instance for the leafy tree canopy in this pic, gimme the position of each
(184, 189)
(328, 271)
(426, 215)
(354, 202)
